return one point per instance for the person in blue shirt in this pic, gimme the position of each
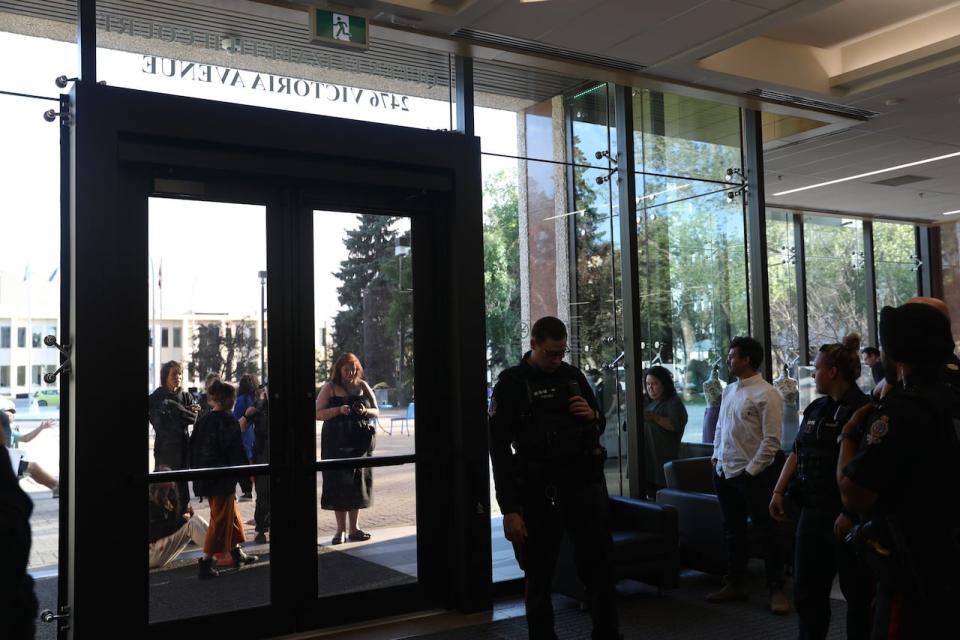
(246, 398)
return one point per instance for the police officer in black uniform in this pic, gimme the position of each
(903, 478)
(810, 478)
(545, 428)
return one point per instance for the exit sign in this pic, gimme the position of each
(339, 29)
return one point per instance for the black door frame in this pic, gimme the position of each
(122, 141)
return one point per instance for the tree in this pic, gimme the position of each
(206, 357)
(241, 348)
(368, 247)
(501, 273)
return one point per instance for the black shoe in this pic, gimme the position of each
(206, 570)
(339, 538)
(260, 538)
(359, 536)
(242, 558)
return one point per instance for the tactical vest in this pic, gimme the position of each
(549, 433)
(817, 453)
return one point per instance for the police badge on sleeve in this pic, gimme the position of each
(878, 430)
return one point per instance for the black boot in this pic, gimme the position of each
(241, 558)
(206, 570)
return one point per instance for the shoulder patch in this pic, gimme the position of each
(878, 430)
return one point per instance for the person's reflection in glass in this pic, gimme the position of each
(664, 419)
(346, 404)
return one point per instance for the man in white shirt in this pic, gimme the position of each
(746, 460)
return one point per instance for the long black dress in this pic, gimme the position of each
(346, 489)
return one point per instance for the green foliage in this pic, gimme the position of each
(375, 322)
(241, 346)
(206, 357)
(501, 274)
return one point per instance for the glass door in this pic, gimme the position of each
(365, 407)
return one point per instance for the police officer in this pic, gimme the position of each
(545, 426)
(810, 477)
(903, 478)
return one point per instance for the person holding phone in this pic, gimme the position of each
(545, 427)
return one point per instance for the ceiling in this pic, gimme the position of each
(899, 58)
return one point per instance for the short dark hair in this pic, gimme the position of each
(870, 351)
(549, 327)
(666, 379)
(749, 348)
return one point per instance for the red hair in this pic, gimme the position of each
(336, 377)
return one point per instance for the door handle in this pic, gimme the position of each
(62, 618)
(66, 351)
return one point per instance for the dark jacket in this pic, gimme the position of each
(216, 442)
(16, 586)
(166, 521)
(170, 416)
(261, 443)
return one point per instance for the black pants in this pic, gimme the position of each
(743, 496)
(174, 455)
(819, 556)
(583, 513)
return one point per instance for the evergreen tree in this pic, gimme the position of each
(364, 275)
(207, 356)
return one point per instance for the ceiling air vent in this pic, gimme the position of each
(808, 103)
(530, 46)
(901, 180)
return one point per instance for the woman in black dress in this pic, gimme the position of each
(345, 405)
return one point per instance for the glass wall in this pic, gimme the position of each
(836, 280)
(895, 262)
(950, 246)
(690, 237)
(782, 283)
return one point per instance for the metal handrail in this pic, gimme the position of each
(268, 469)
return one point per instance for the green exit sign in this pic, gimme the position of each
(339, 29)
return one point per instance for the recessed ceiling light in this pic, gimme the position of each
(868, 173)
(947, 213)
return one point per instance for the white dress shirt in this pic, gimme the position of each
(750, 427)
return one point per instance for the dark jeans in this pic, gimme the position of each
(743, 496)
(583, 513)
(819, 557)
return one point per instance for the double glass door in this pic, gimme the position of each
(214, 326)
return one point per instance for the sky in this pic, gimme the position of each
(191, 240)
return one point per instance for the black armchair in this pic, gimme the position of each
(645, 539)
(690, 491)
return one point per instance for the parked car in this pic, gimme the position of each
(47, 397)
